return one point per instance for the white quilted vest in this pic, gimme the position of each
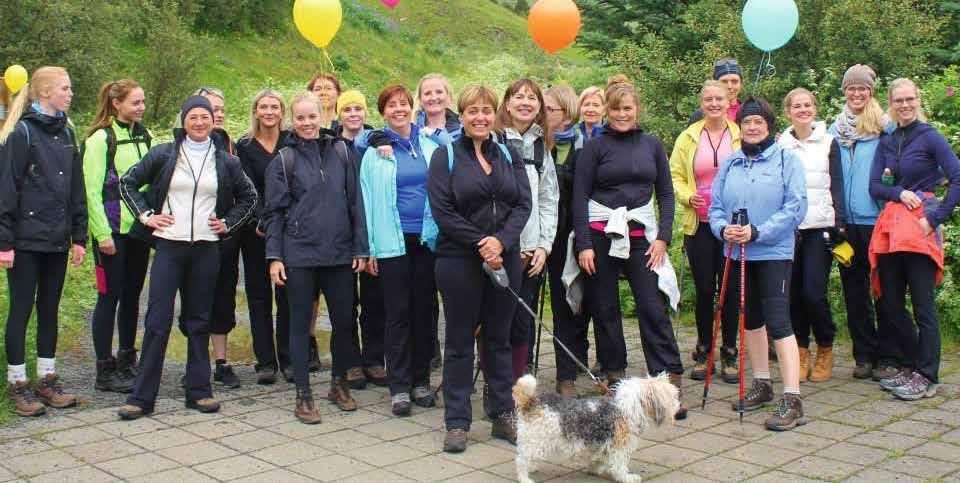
(815, 153)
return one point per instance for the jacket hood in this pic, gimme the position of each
(47, 123)
(451, 124)
(788, 139)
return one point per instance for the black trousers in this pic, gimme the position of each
(921, 343)
(256, 279)
(656, 331)
(568, 328)
(304, 285)
(872, 342)
(469, 298)
(409, 296)
(188, 269)
(35, 279)
(707, 255)
(522, 331)
(367, 333)
(118, 298)
(809, 305)
(767, 295)
(283, 327)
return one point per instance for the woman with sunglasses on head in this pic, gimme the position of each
(906, 252)
(729, 73)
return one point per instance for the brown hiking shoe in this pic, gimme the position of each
(205, 405)
(788, 415)
(822, 365)
(356, 378)
(340, 395)
(376, 374)
(567, 388)
(864, 370)
(24, 401)
(677, 381)
(699, 371)
(50, 391)
(729, 370)
(455, 441)
(505, 428)
(804, 364)
(129, 412)
(306, 410)
(760, 393)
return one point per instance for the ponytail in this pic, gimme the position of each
(42, 79)
(118, 90)
(14, 111)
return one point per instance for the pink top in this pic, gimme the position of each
(602, 225)
(706, 162)
(733, 110)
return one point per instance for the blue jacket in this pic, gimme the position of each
(451, 132)
(773, 189)
(378, 183)
(856, 161)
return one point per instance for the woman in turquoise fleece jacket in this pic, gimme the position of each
(401, 234)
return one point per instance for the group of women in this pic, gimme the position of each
(541, 185)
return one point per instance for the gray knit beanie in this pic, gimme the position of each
(859, 74)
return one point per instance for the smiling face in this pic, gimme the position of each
(623, 117)
(523, 107)
(591, 110)
(434, 97)
(327, 92)
(802, 110)
(397, 111)
(754, 129)
(269, 112)
(478, 120)
(59, 95)
(219, 110)
(714, 103)
(198, 123)
(858, 96)
(905, 103)
(132, 107)
(352, 117)
(556, 117)
(734, 83)
(306, 119)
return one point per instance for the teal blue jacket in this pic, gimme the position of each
(378, 181)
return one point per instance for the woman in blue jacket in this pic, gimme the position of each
(435, 117)
(858, 130)
(767, 182)
(401, 230)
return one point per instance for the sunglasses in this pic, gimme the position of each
(726, 63)
(210, 90)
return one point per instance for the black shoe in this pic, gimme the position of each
(423, 396)
(127, 363)
(224, 374)
(315, 365)
(109, 379)
(760, 393)
(266, 376)
(864, 370)
(400, 404)
(205, 405)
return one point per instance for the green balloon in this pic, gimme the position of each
(770, 24)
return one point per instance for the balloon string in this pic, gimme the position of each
(765, 65)
(333, 68)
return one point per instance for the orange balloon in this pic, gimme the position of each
(554, 24)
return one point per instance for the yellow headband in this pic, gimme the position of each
(350, 97)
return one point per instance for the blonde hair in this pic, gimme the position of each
(41, 80)
(254, 130)
(617, 79)
(566, 98)
(896, 84)
(592, 91)
(118, 90)
(788, 100)
(713, 84)
(305, 96)
(446, 87)
(476, 93)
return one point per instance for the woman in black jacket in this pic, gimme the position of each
(480, 199)
(197, 194)
(43, 215)
(316, 240)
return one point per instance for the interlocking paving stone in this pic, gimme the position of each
(430, 468)
(919, 466)
(761, 454)
(725, 469)
(22, 446)
(859, 417)
(273, 476)
(82, 474)
(951, 437)
(680, 477)
(387, 454)
(39, 463)
(481, 456)
(779, 477)
(938, 451)
(794, 441)
(383, 475)
(706, 442)
(136, 465)
(252, 441)
(219, 428)
(104, 450)
(392, 429)
(331, 468)
(889, 441)
(75, 436)
(290, 453)
(854, 453)
(234, 467)
(747, 431)
(821, 468)
(829, 429)
(345, 440)
(672, 456)
(542, 472)
(179, 475)
(196, 453)
(165, 438)
(132, 428)
(916, 428)
(871, 475)
(938, 416)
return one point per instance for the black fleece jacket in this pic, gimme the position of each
(43, 204)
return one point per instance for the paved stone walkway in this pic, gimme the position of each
(858, 433)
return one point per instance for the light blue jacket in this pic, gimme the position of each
(861, 208)
(378, 181)
(773, 189)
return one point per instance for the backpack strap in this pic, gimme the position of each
(26, 130)
(506, 152)
(503, 148)
(111, 148)
(286, 162)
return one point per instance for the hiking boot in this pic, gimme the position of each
(884, 371)
(266, 376)
(223, 373)
(340, 395)
(108, 379)
(567, 388)
(613, 377)
(315, 364)
(129, 412)
(917, 387)
(505, 428)
(50, 391)
(804, 364)
(760, 393)
(455, 441)
(699, 371)
(205, 405)
(376, 374)
(677, 381)
(400, 404)
(355, 378)
(729, 371)
(127, 363)
(788, 415)
(423, 396)
(306, 409)
(864, 370)
(822, 364)
(24, 401)
(897, 380)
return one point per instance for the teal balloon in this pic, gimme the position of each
(770, 24)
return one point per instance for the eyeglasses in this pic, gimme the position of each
(904, 101)
(554, 110)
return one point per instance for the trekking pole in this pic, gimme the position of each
(744, 221)
(543, 297)
(716, 325)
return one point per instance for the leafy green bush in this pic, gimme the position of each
(168, 77)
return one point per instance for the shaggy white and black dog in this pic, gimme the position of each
(603, 431)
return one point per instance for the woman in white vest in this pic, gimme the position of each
(821, 227)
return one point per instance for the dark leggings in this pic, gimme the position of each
(920, 343)
(303, 287)
(809, 307)
(706, 255)
(603, 290)
(767, 295)
(118, 297)
(36, 278)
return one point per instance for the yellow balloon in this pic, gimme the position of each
(318, 20)
(15, 77)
